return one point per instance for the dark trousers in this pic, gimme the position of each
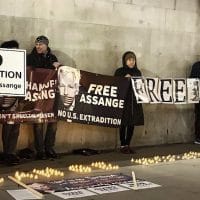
(197, 121)
(10, 133)
(46, 144)
(126, 133)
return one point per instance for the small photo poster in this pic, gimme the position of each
(107, 189)
(193, 88)
(74, 194)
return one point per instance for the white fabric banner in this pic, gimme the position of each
(193, 88)
(166, 91)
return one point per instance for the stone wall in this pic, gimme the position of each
(92, 35)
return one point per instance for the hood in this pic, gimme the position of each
(123, 58)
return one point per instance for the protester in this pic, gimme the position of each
(133, 112)
(41, 57)
(10, 130)
(195, 73)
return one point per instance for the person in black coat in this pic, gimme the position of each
(10, 130)
(195, 73)
(41, 57)
(133, 113)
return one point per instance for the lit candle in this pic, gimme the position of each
(1, 180)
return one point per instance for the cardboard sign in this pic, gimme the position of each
(12, 72)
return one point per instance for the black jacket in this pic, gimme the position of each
(40, 60)
(133, 112)
(195, 72)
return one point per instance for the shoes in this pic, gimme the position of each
(50, 153)
(126, 150)
(197, 141)
(40, 156)
(86, 152)
(12, 159)
(2, 157)
(26, 153)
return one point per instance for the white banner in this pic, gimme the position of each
(107, 189)
(12, 72)
(193, 88)
(152, 89)
(74, 194)
(179, 91)
(167, 91)
(140, 185)
(140, 90)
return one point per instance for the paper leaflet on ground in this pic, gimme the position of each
(141, 184)
(74, 194)
(107, 189)
(22, 194)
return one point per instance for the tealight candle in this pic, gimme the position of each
(1, 180)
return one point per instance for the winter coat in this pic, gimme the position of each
(195, 73)
(41, 60)
(133, 112)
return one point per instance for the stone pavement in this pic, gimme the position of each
(179, 180)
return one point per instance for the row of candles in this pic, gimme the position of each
(47, 172)
(103, 165)
(88, 169)
(80, 168)
(164, 159)
(142, 161)
(52, 173)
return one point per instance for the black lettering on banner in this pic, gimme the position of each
(10, 74)
(152, 89)
(1, 60)
(166, 90)
(73, 193)
(139, 88)
(179, 88)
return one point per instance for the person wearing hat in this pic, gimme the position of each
(41, 57)
(10, 130)
(132, 113)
